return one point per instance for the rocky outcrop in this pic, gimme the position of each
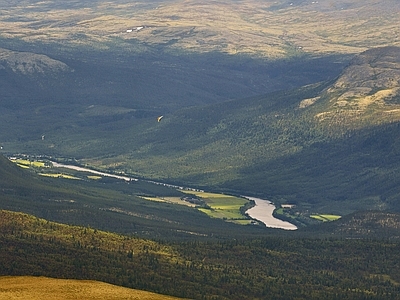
(30, 63)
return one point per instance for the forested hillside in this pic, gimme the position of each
(330, 147)
(281, 146)
(270, 267)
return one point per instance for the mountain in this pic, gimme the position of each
(367, 92)
(330, 147)
(281, 146)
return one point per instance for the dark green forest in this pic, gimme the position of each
(263, 268)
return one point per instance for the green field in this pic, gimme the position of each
(224, 207)
(325, 217)
(28, 163)
(58, 175)
(219, 206)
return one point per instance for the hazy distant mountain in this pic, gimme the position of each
(273, 29)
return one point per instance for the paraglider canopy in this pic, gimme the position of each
(159, 118)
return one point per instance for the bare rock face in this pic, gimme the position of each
(30, 63)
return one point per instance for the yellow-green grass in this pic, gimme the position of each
(222, 206)
(175, 200)
(94, 177)
(58, 175)
(27, 163)
(325, 218)
(23, 166)
(242, 222)
(37, 288)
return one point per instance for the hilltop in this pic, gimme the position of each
(30, 63)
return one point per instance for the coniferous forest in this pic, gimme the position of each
(263, 268)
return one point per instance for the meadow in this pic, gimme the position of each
(37, 288)
(325, 218)
(224, 207)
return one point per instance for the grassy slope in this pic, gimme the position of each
(57, 250)
(34, 288)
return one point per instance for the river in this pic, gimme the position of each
(262, 212)
(76, 168)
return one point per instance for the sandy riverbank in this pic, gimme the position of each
(262, 212)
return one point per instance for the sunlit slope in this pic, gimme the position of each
(34, 288)
(268, 28)
(366, 93)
